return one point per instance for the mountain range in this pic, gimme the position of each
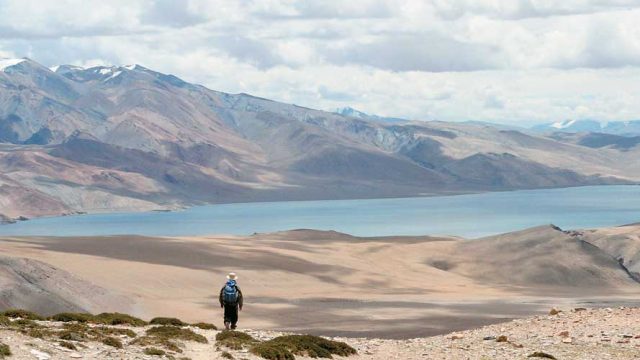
(622, 128)
(124, 138)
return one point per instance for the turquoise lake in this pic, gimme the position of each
(470, 216)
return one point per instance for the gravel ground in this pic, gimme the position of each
(568, 334)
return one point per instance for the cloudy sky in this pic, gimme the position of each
(507, 61)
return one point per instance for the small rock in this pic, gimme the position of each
(486, 338)
(567, 340)
(540, 354)
(564, 334)
(40, 355)
(502, 338)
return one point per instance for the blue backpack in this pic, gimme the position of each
(230, 293)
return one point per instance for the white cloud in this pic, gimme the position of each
(512, 61)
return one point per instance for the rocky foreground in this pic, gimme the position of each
(570, 334)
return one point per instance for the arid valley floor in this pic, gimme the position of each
(328, 283)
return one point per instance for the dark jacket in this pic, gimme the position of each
(240, 300)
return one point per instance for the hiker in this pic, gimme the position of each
(231, 301)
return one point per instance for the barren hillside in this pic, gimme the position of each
(129, 138)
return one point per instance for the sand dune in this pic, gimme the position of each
(332, 283)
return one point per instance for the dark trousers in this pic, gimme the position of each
(231, 314)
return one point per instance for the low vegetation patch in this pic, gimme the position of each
(176, 333)
(111, 341)
(40, 333)
(22, 314)
(22, 324)
(72, 336)
(308, 345)
(69, 317)
(115, 331)
(118, 319)
(163, 339)
(67, 345)
(83, 332)
(154, 351)
(167, 337)
(272, 352)
(235, 340)
(156, 341)
(205, 326)
(30, 328)
(5, 351)
(167, 321)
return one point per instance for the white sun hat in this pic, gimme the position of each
(232, 276)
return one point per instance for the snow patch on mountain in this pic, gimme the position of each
(563, 124)
(114, 75)
(6, 63)
(354, 113)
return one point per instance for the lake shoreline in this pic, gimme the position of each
(466, 215)
(4, 220)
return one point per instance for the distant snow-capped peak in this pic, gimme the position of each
(349, 111)
(111, 72)
(354, 113)
(6, 63)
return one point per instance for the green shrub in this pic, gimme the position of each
(30, 328)
(111, 341)
(118, 319)
(39, 333)
(69, 317)
(22, 314)
(4, 321)
(154, 351)
(272, 351)
(205, 326)
(72, 335)
(4, 350)
(68, 345)
(235, 340)
(312, 346)
(227, 355)
(152, 340)
(176, 333)
(25, 324)
(103, 330)
(167, 321)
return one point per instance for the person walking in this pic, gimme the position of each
(231, 301)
